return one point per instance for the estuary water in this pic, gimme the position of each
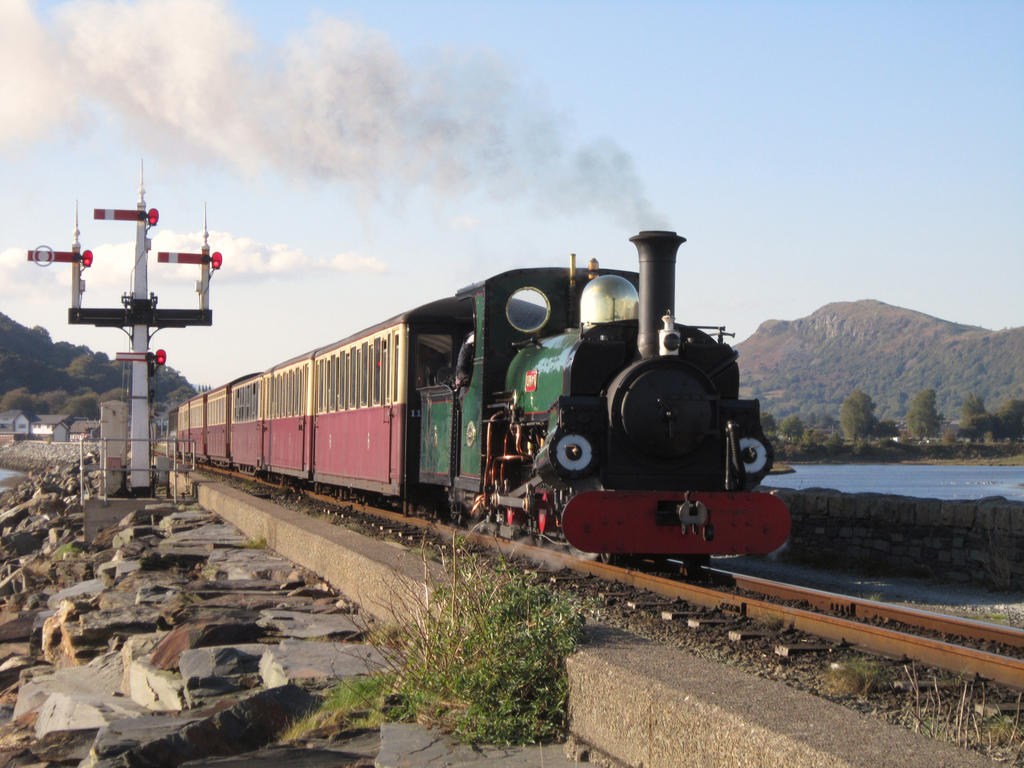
(945, 481)
(6, 474)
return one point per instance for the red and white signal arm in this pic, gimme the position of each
(172, 257)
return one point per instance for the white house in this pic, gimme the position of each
(14, 425)
(52, 426)
(85, 429)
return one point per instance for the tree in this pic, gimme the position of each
(922, 418)
(87, 406)
(886, 428)
(857, 415)
(1010, 419)
(974, 419)
(19, 399)
(792, 427)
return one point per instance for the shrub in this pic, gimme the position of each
(487, 660)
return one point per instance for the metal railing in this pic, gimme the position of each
(180, 453)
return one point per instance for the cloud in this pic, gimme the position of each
(245, 260)
(337, 101)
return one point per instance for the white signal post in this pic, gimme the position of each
(137, 315)
(140, 459)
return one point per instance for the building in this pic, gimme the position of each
(14, 425)
(85, 429)
(53, 427)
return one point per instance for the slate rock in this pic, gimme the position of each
(79, 711)
(64, 746)
(405, 745)
(118, 736)
(102, 675)
(153, 688)
(18, 628)
(301, 624)
(291, 756)
(201, 634)
(156, 594)
(295, 660)
(80, 591)
(245, 726)
(248, 564)
(113, 571)
(210, 535)
(215, 671)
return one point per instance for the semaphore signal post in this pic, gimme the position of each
(138, 315)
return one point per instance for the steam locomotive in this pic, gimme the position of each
(562, 405)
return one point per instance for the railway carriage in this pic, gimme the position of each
(217, 424)
(288, 442)
(247, 427)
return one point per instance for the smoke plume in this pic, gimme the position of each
(336, 101)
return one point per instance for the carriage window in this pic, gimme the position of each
(385, 367)
(342, 379)
(433, 356)
(364, 382)
(394, 371)
(352, 392)
(375, 370)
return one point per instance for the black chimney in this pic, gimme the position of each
(657, 284)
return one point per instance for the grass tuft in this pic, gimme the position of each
(857, 677)
(486, 662)
(356, 703)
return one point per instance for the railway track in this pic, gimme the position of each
(990, 651)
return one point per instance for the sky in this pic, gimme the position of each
(358, 159)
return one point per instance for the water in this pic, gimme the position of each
(6, 474)
(946, 481)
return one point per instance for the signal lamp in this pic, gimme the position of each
(216, 260)
(160, 357)
(86, 258)
(153, 217)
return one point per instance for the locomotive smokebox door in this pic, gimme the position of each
(437, 448)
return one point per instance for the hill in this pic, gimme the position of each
(891, 353)
(32, 361)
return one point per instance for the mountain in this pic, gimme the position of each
(891, 353)
(30, 359)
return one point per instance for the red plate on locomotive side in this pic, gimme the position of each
(643, 522)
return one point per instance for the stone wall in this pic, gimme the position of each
(978, 542)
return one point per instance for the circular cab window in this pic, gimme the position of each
(527, 310)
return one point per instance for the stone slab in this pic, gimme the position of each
(245, 726)
(83, 590)
(81, 711)
(153, 688)
(100, 514)
(249, 565)
(102, 676)
(297, 660)
(218, 670)
(304, 625)
(210, 535)
(405, 745)
(385, 579)
(119, 736)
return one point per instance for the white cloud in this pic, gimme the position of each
(464, 222)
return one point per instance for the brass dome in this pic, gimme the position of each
(608, 298)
